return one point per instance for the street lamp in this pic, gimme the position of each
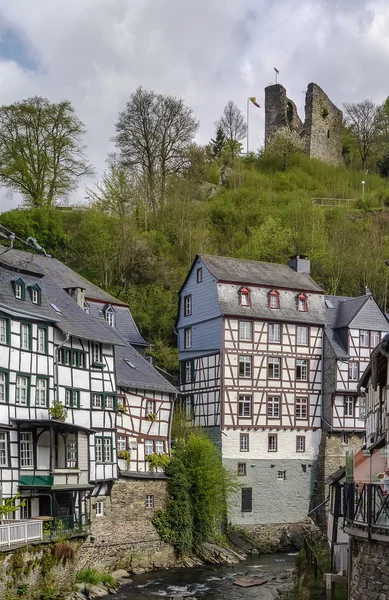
(363, 189)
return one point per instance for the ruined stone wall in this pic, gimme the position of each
(279, 111)
(323, 126)
(369, 578)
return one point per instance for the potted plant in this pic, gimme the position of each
(125, 455)
(121, 408)
(152, 417)
(57, 411)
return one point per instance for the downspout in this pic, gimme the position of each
(171, 423)
(56, 351)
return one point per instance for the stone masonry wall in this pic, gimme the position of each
(369, 579)
(279, 111)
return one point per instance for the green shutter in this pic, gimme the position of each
(182, 372)
(192, 370)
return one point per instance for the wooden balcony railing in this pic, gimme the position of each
(366, 505)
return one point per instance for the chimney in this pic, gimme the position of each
(300, 263)
(367, 292)
(78, 294)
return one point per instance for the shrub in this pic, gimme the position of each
(94, 577)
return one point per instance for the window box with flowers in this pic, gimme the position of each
(124, 457)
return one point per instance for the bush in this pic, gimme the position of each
(94, 577)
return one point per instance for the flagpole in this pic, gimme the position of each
(248, 123)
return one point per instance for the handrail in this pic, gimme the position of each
(366, 505)
(312, 559)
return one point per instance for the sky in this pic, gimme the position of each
(95, 53)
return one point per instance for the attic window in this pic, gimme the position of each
(302, 303)
(199, 275)
(244, 297)
(274, 299)
(19, 289)
(110, 316)
(86, 308)
(130, 364)
(35, 293)
(329, 303)
(55, 307)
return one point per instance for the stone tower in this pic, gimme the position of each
(322, 129)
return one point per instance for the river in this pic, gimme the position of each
(214, 582)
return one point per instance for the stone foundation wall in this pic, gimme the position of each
(278, 537)
(369, 578)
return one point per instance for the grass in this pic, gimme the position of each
(94, 577)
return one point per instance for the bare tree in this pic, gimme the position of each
(41, 151)
(285, 142)
(153, 134)
(364, 119)
(233, 125)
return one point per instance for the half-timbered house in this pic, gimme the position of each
(250, 342)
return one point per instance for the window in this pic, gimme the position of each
(349, 406)
(86, 308)
(150, 407)
(3, 449)
(99, 506)
(247, 499)
(274, 367)
(71, 452)
(245, 366)
(188, 371)
(149, 501)
(273, 407)
(4, 331)
(353, 371)
(103, 447)
(241, 468)
(245, 406)
(41, 392)
(187, 306)
(375, 338)
(272, 443)
(25, 336)
(301, 369)
(188, 337)
(345, 438)
(300, 443)
(159, 447)
(149, 447)
(302, 336)
(364, 338)
(199, 275)
(274, 299)
(121, 443)
(245, 331)
(301, 408)
(189, 407)
(109, 402)
(274, 332)
(26, 450)
(22, 390)
(3, 388)
(281, 475)
(244, 297)
(25, 511)
(72, 398)
(302, 303)
(96, 352)
(35, 297)
(19, 289)
(74, 358)
(42, 340)
(244, 442)
(97, 401)
(110, 317)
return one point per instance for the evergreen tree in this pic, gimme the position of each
(218, 144)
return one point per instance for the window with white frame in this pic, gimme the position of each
(189, 407)
(3, 388)
(71, 451)
(97, 400)
(187, 305)
(25, 511)
(199, 275)
(3, 331)
(96, 352)
(35, 296)
(245, 406)
(301, 408)
(24, 336)
(149, 447)
(110, 317)
(109, 402)
(302, 303)
(21, 396)
(272, 442)
(245, 331)
(99, 506)
(375, 338)
(3, 449)
(274, 299)
(149, 501)
(41, 394)
(274, 332)
(122, 443)
(86, 308)
(26, 450)
(353, 371)
(349, 406)
(300, 443)
(41, 340)
(273, 407)
(99, 449)
(245, 366)
(281, 475)
(188, 337)
(244, 442)
(18, 291)
(244, 297)
(241, 468)
(159, 447)
(150, 407)
(103, 446)
(188, 371)
(363, 337)
(302, 335)
(274, 367)
(301, 369)
(72, 398)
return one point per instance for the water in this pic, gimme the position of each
(213, 582)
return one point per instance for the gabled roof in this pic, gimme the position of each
(337, 476)
(237, 270)
(141, 374)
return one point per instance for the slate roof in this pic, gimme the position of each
(141, 374)
(236, 270)
(124, 322)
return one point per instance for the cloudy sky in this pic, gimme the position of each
(96, 52)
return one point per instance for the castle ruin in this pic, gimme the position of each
(322, 130)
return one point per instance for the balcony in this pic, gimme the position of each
(366, 510)
(15, 532)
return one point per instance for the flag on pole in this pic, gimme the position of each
(254, 101)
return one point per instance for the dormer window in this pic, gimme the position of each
(110, 316)
(302, 304)
(86, 307)
(244, 297)
(274, 299)
(35, 293)
(19, 289)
